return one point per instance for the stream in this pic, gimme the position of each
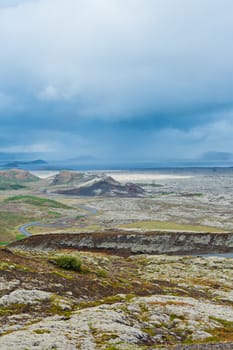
(23, 228)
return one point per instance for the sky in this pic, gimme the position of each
(117, 80)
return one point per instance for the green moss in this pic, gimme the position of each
(111, 347)
(225, 323)
(101, 273)
(56, 309)
(143, 307)
(12, 309)
(149, 331)
(62, 274)
(54, 214)
(102, 338)
(144, 317)
(41, 331)
(108, 300)
(224, 333)
(38, 201)
(114, 299)
(129, 297)
(174, 316)
(4, 265)
(19, 237)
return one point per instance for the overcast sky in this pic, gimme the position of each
(137, 80)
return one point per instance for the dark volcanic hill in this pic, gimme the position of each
(104, 186)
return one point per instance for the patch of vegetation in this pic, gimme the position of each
(224, 333)
(101, 338)
(68, 262)
(101, 273)
(7, 186)
(78, 217)
(108, 300)
(54, 214)
(41, 331)
(9, 222)
(149, 331)
(56, 309)
(174, 316)
(112, 347)
(163, 225)
(13, 309)
(148, 184)
(38, 201)
(19, 237)
(198, 194)
(4, 265)
(62, 274)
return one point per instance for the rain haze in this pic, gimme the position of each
(117, 80)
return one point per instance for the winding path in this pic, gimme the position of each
(23, 229)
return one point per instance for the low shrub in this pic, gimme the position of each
(69, 263)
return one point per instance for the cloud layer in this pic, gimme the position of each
(111, 72)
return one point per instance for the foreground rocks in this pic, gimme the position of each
(145, 321)
(115, 303)
(22, 296)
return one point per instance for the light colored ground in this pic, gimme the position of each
(43, 174)
(168, 226)
(144, 177)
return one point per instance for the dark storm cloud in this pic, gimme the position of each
(153, 68)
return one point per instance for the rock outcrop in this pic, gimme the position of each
(140, 322)
(133, 242)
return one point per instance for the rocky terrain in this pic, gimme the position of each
(114, 303)
(195, 200)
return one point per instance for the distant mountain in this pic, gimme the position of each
(26, 164)
(104, 186)
(13, 156)
(217, 156)
(83, 158)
